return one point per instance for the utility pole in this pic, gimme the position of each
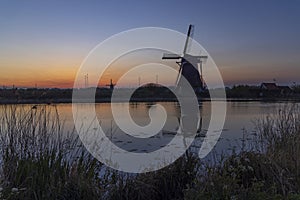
(86, 80)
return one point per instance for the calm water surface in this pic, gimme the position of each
(239, 123)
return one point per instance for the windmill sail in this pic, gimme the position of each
(188, 41)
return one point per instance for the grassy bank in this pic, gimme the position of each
(39, 160)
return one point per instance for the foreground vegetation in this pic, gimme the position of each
(40, 161)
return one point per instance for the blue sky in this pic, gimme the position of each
(250, 41)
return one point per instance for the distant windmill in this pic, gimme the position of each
(111, 85)
(188, 65)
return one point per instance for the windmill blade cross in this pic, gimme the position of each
(188, 61)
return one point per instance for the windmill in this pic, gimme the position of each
(111, 85)
(188, 65)
(188, 68)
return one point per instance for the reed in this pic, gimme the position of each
(270, 170)
(40, 160)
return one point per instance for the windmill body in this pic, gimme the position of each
(191, 74)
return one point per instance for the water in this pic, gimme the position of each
(239, 123)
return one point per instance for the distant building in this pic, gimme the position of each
(271, 89)
(269, 86)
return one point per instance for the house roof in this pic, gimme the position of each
(269, 86)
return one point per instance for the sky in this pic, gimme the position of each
(43, 43)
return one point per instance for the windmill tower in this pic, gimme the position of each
(188, 65)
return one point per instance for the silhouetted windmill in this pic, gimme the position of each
(188, 65)
(111, 85)
(188, 68)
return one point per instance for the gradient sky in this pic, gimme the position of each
(44, 42)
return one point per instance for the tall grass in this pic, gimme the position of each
(280, 133)
(269, 171)
(167, 183)
(39, 160)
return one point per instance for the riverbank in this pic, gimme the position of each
(268, 169)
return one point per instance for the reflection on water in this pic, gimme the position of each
(239, 121)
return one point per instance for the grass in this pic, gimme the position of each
(39, 160)
(269, 171)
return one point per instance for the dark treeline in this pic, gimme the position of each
(147, 93)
